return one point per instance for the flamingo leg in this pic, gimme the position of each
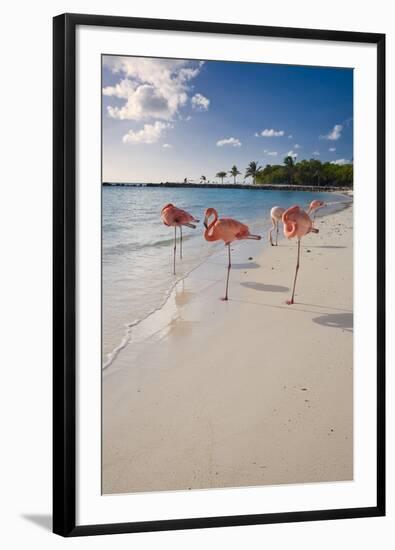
(271, 231)
(227, 277)
(277, 224)
(291, 301)
(180, 242)
(174, 250)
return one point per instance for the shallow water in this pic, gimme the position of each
(137, 249)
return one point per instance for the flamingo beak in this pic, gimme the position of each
(205, 223)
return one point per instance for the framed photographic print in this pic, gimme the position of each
(219, 274)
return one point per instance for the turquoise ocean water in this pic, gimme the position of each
(137, 248)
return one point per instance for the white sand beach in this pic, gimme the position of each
(245, 392)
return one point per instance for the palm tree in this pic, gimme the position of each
(290, 165)
(220, 175)
(289, 161)
(234, 172)
(203, 179)
(252, 170)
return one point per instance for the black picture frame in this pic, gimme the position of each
(64, 273)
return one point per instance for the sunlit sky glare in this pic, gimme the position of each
(170, 119)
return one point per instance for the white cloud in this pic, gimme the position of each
(200, 102)
(188, 118)
(167, 146)
(270, 132)
(292, 154)
(121, 90)
(340, 161)
(271, 153)
(290, 136)
(234, 142)
(332, 149)
(150, 88)
(334, 134)
(296, 146)
(151, 133)
(316, 153)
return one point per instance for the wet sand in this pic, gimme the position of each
(245, 392)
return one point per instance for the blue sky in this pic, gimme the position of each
(166, 119)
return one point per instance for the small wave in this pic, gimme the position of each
(331, 207)
(112, 355)
(122, 248)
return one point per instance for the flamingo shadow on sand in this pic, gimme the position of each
(325, 306)
(324, 246)
(246, 265)
(344, 321)
(264, 287)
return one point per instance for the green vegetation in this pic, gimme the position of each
(306, 172)
(234, 172)
(289, 168)
(221, 176)
(253, 171)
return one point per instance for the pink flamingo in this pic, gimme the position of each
(276, 215)
(227, 230)
(176, 217)
(297, 223)
(314, 206)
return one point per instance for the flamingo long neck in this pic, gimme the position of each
(207, 235)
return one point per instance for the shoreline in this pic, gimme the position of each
(109, 357)
(262, 187)
(214, 393)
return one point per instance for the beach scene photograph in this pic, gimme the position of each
(227, 274)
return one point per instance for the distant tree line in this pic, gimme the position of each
(304, 172)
